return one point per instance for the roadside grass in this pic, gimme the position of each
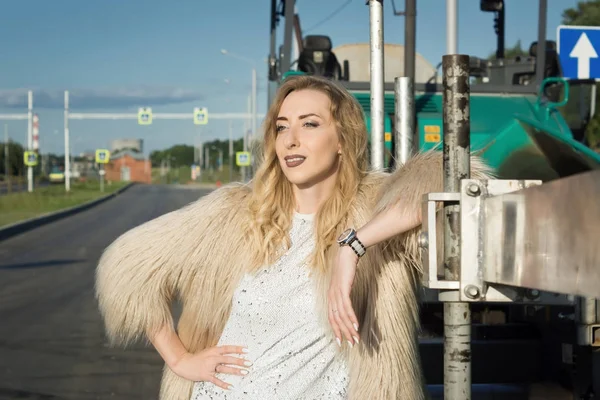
(15, 207)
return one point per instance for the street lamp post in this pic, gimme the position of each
(254, 95)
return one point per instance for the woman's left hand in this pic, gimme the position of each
(341, 314)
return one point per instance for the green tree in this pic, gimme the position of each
(587, 13)
(15, 159)
(511, 52)
(184, 154)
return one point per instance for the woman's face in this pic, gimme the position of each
(307, 142)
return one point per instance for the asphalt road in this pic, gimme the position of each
(52, 342)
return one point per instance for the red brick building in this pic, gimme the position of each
(128, 166)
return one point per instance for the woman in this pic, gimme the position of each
(280, 299)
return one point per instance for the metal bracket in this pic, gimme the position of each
(588, 335)
(472, 286)
(473, 219)
(428, 241)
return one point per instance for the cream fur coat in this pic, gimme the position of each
(198, 254)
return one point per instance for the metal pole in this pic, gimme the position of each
(254, 119)
(286, 59)
(245, 138)
(456, 143)
(410, 33)
(230, 151)
(501, 21)
(273, 38)
(206, 158)
(254, 100)
(29, 137)
(102, 177)
(377, 84)
(404, 126)
(67, 155)
(200, 152)
(587, 310)
(273, 71)
(452, 26)
(6, 154)
(593, 101)
(541, 46)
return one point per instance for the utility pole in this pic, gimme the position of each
(30, 138)
(6, 163)
(206, 158)
(230, 151)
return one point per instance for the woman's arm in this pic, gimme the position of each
(203, 365)
(397, 211)
(167, 343)
(140, 273)
(387, 224)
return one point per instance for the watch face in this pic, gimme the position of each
(345, 235)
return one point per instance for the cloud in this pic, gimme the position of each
(99, 98)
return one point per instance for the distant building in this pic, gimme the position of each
(127, 144)
(358, 57)
(128, 166)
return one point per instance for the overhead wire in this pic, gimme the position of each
(329, 17)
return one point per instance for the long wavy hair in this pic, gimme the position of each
(272, 201)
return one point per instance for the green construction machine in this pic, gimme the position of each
(527, 122)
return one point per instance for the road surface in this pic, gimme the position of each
(52, 343)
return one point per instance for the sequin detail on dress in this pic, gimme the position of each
(274, 315)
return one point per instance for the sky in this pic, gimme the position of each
(115, 56)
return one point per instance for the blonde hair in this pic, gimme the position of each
(272, 200)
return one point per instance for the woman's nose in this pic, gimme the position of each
(291, 138)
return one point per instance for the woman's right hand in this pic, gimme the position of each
(204, 365)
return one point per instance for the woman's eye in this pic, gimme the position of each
(279, 128)
(311, 124)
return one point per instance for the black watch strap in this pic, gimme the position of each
(357, 246)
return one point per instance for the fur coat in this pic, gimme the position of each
(197, 254)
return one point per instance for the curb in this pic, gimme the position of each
(32, 223)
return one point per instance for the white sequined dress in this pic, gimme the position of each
(274, 315)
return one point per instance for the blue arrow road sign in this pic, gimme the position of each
(578, 48)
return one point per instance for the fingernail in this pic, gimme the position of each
(350, 343)
(339, 342)
(245, 350)
(248, 363)
(244, 372)
(355, 339)
(356, 327)
(230, 387)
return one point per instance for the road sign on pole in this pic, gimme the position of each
(200, 116)
(102, 156)
(242, 158)
(145, 116)
(30, 158)
(578, 48)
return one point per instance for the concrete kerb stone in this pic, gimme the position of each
(32, 223)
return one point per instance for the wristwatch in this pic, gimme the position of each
(349, 238)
